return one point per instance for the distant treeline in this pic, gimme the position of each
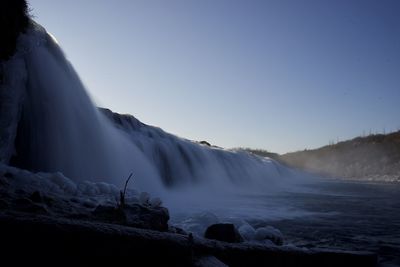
(374, 157)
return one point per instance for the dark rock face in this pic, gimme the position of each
(146, 217)
(14, 20)
(85, 243)
(77, 246)
(205, 143)
(27, 205)
(135, 215)
(223, 232)
(3, 205)
(36, 197)
(175, 230)
(109, 214)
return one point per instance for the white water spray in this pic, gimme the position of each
(62, 130)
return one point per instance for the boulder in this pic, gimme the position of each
(223, 232)
(197, 223)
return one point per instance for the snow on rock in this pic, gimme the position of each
(144, 198)
(132, 199)
(269, 233)
(247, 232)
(155, 202)
(53, 183)
(45, 193)
(65, 184)
(198, 223)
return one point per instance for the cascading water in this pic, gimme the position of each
(61, 130)
(181, 162)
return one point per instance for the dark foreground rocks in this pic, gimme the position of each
(134, 215)
(38, 240)
(223, 232)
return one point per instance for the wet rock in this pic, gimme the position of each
(205, 143)
(88, 203)
(155, 202)
(21, 192)
(209, 261)
(79, 216)
(27, 205)
(36, 197)
(146, 217)
(177, 230)
(198, 223)
(109, 214)
(4, 181)
(8, 175)
(135, 215)
(90, 243)
(269, 233)
(3, 205)
(48, 200)
(23, 202)
(223, 232)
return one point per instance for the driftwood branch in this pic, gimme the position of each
(123, 193)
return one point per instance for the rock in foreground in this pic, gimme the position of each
(135, 215)
(41, 239)
(223, 232)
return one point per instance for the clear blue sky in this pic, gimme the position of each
(279, 75)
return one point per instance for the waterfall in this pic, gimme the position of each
(62, 130)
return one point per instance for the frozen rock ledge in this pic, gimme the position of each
(40, 239)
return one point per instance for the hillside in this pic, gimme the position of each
(374, 157)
